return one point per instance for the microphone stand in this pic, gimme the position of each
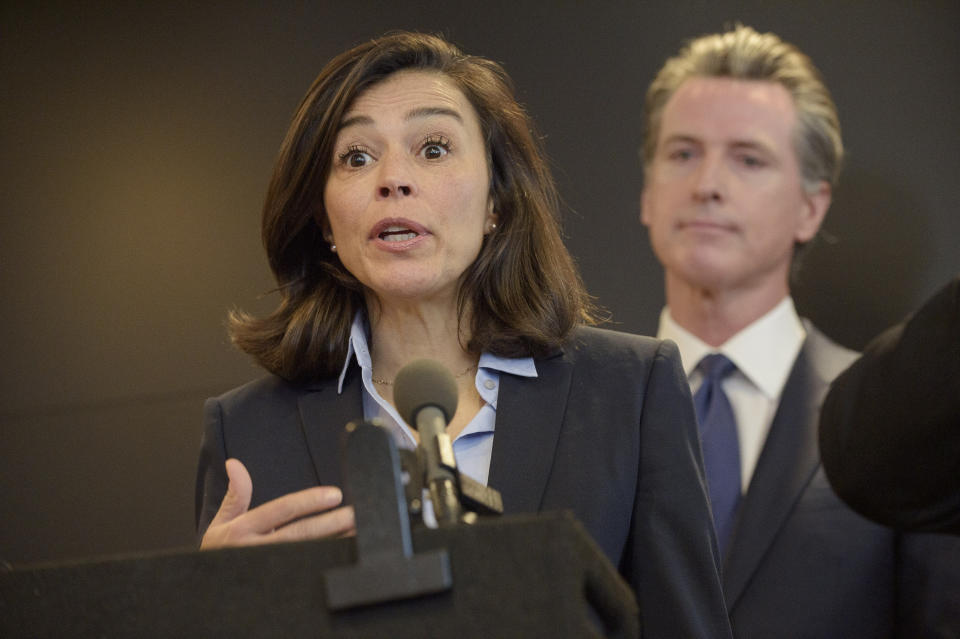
(439, 465)
(387, 568)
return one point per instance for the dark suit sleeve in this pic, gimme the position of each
(673, 555)
(928, 586)
(211, 474)
(890, 427)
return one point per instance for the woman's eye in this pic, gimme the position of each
(751, 161)
(434, 152)
(435, 149)
(355, 158)
(358, 159)
(681, 155)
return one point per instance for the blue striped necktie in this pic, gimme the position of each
(721, 446)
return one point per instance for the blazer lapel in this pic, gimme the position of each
(529, 418)
(323, 415)
(787, 463)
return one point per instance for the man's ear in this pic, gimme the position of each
(644, 207)
(812, 211)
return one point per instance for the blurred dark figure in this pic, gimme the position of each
(890, 427)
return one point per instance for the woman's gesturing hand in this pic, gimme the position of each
(306, 514)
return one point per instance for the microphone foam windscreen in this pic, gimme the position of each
(424, 382)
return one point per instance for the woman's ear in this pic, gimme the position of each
(492, 219)
(324, 225)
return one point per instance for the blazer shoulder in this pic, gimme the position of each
(606, 344)
(603, 354)
(257, 394)
(827, 357)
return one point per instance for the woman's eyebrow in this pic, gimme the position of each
(355, 120)
(413, 114)
(428, 111)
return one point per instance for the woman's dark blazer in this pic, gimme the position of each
(605, 430)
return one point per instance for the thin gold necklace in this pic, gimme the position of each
(383, 382)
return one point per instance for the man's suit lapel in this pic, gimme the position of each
(323, 415)
(529, 418)
(786, 465)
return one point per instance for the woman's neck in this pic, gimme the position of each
(402, 334)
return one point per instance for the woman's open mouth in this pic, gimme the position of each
(397, 234)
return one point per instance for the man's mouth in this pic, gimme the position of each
(707, 225)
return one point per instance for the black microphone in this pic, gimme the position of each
(426, 397)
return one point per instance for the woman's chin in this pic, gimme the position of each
(405, 292)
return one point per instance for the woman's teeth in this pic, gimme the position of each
(397, 234)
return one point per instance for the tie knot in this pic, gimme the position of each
(715, 367)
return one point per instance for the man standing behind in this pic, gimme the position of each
(741, 152)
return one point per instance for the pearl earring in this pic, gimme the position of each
(333, 248)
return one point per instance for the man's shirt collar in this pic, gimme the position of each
(764, 351)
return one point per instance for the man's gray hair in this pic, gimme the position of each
(745, 54)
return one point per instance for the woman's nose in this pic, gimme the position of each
(396, 178)
(400, 189)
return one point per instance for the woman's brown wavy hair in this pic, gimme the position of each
(522, 296)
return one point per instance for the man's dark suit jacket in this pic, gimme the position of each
(890, 429)
(802, 564)
(606, 430)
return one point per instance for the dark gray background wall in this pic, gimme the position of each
(137, 142)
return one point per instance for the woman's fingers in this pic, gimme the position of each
(239, 491)
(302, 515)
(284, 510)
(333, 523)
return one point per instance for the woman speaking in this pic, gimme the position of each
(411, 215)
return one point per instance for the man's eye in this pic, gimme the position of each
(681, 155)
(752, 161)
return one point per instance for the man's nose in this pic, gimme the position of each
(710, 179)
